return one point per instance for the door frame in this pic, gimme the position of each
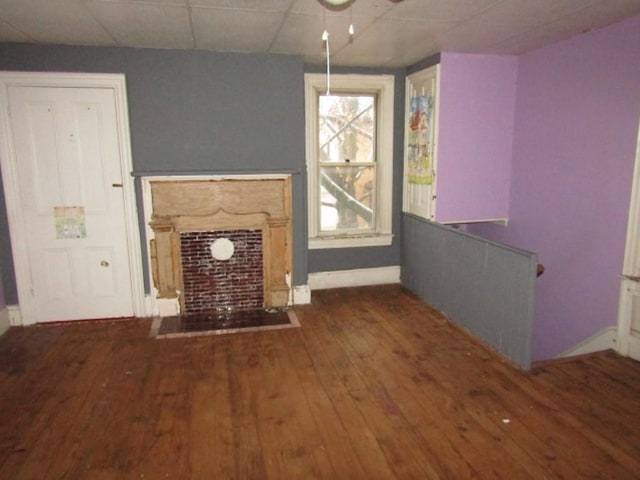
(17, 230)
(630, 286)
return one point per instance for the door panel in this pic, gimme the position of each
(102, 280)
(67, 153)
(58, 284)
(628, 338)
(633, 290)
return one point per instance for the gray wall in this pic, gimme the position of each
(484, 286)
(195, 113)
(204, 112)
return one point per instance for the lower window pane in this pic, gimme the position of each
(347, 198)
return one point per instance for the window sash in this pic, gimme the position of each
(355, 208)
(360, 125)
(382, 87)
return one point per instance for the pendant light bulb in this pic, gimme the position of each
(351, 29)
(325, 36)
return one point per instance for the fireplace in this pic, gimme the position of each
(221, 243)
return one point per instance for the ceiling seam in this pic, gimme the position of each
(103, 27)
(285, 17)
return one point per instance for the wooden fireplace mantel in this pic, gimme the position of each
(226, 204)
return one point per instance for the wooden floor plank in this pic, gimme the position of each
(211, 442)
(517, 401)
(383, 419)
(356, 430)
(392, 363)
(371, 357)
(57, 420)
(375, 384)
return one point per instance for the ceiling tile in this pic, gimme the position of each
(279, 6)
(8, 33)
(527, 41)
(596, 16)
(533, 13)
(145, 25)
(63, 21)
(361, 8)
(478, 35)
(387, 33)
(438, 10)
(403, 43)
(177, 3)
(302, 34)
(234, 30)
(562, 28)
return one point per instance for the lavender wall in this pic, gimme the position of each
(577, 113)
(477, 107)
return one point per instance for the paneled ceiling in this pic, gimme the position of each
(386, 33)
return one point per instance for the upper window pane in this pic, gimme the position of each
(346, 128)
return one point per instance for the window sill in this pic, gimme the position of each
(352, 241)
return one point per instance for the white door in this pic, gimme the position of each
(630, 313)
(421, 143)
(67, 162)
(628, 335)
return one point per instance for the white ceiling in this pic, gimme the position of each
(387, 34)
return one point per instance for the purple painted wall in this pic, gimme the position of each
(477, 99)
(577, 114)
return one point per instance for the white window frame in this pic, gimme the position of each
(383, 87)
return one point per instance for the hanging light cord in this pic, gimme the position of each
(325, 38)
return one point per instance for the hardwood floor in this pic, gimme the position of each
(375, 385)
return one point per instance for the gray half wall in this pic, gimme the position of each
(484, 286)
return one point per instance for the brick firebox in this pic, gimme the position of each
(182, 206)
(212, 284)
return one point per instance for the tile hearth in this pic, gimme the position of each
(223, 322)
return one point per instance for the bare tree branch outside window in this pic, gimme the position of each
(347, 127)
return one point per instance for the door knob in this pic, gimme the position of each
(104, 263)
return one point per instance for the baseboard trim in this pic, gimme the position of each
(5, 323)
(167, 307)
(15, 315)
(301, 295)
(603, 340)
(354, 278)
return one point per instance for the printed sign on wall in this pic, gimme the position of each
(70, 222)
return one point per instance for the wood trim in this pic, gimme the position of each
(116, 83)
(628, 344)
(180, 205)
(354, 278)
(383, 86)
(5, 322)
(221, 220)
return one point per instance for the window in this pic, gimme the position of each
(349, 159)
